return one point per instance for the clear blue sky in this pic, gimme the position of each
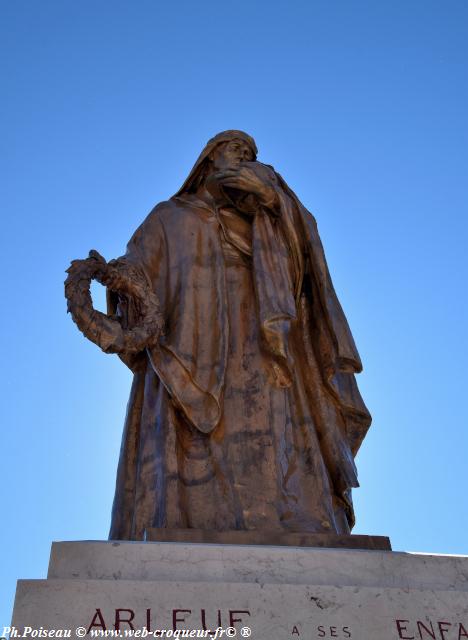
(362, 107)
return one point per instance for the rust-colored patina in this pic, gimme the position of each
(244, 414)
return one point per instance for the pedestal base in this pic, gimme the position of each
(274, 593)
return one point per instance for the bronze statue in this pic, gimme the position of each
(244, 412)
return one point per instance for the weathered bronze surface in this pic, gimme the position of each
(274, 538)
(244, 413)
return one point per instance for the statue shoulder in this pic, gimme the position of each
(170, 212)
(157, 219)
(161, 212)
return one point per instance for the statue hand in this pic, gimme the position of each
(245, 178)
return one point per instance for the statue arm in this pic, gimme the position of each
(123, 307)
(146, 251)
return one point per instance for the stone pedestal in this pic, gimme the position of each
(272, 593)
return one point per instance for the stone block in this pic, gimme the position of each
(278, 593)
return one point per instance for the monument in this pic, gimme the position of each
(244, 412)
(233, 509)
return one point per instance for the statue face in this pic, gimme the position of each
(231, 154)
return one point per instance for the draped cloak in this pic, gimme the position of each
(194, 413)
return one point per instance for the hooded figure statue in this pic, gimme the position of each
(246, 415)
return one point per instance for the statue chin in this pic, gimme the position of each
(228, 196)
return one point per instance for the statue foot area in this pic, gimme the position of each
(273, 538)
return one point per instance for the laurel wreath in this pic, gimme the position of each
(104, 330)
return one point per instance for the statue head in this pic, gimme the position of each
(227, 148)
(230, 154)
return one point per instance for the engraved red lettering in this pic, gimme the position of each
(443, 631)
(148, 619)
(233, 620)
(94, 623)
(462, 632)
(401, 627)
(119, 619)
(175, 619)
(203, 620)
(422, 627)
